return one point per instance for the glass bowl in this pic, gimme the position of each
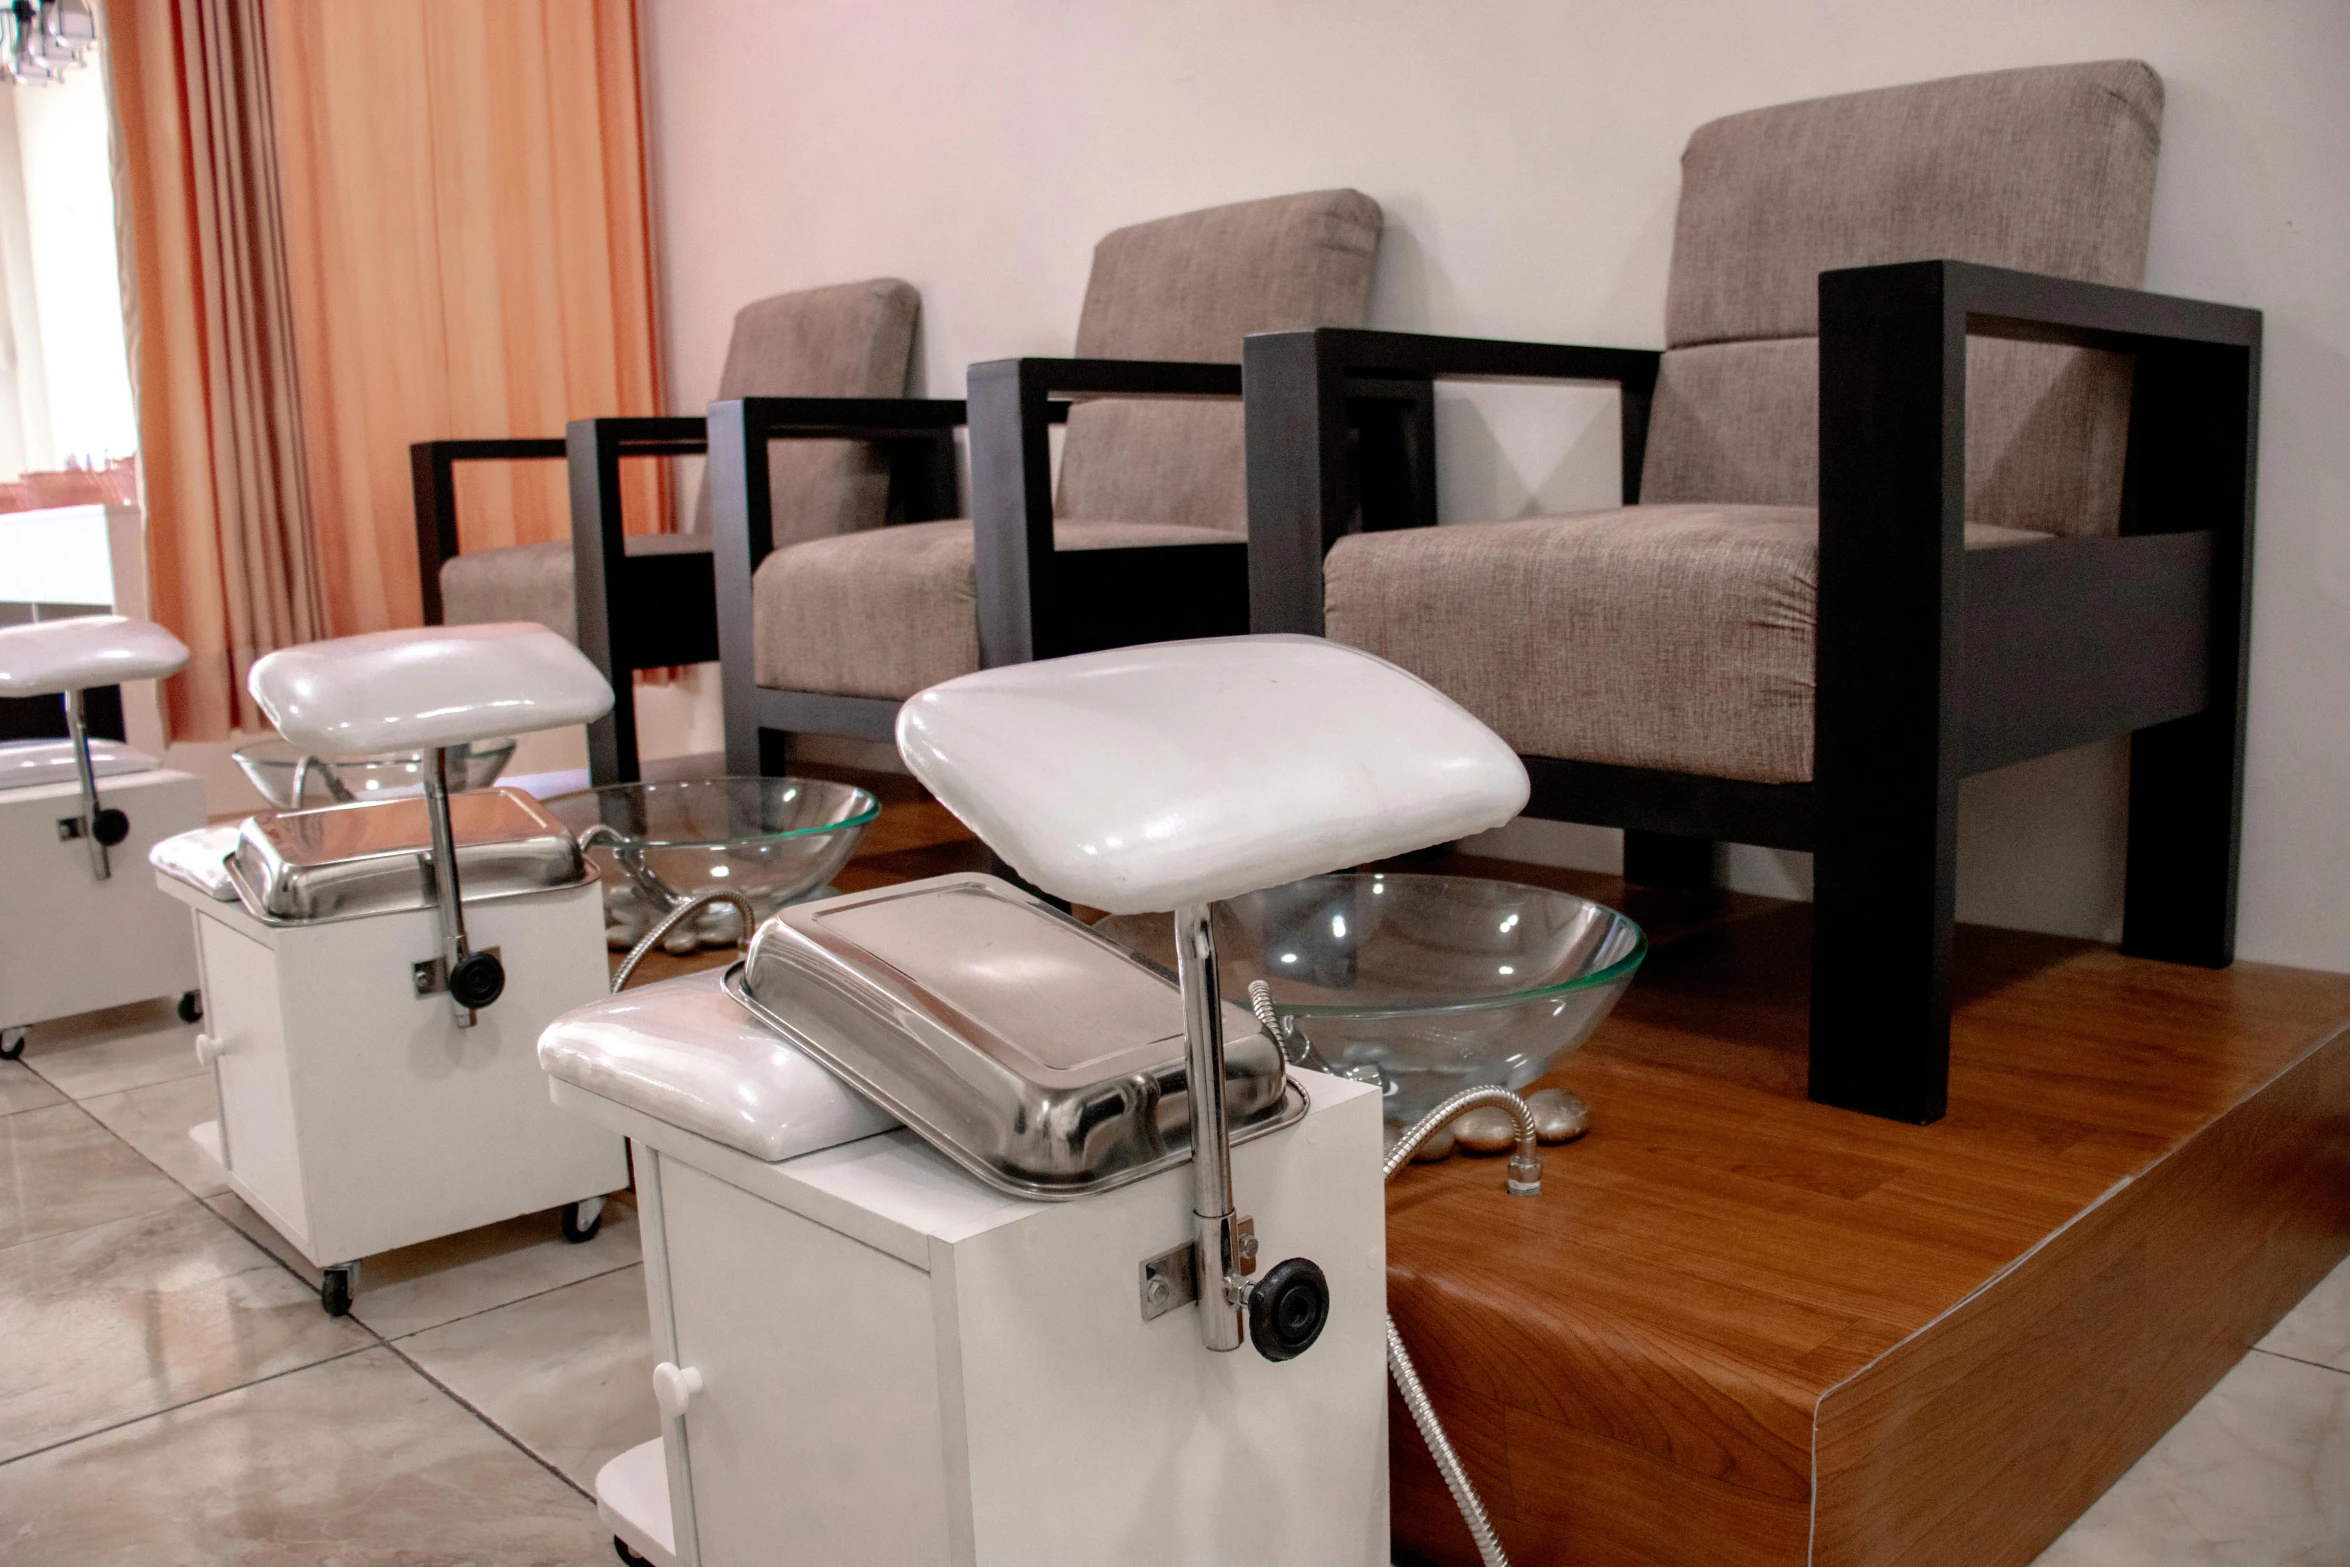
(771, 839)
(1422, 985)
(272, 765)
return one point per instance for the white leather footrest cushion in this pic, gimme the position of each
(684, 1052)
(200, 858)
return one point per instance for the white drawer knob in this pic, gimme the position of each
(674, 1388)
(209, 1049)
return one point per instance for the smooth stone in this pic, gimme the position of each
(155, 1120)
(462, 1275)
(681, 941)
(1435, 1146)
(127, 1318)
(1487, 1129)
(61, 1171)
(106, 1052)
(1559, 1117)
(568, 1374)
(360, 1462)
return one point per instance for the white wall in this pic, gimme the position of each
(1526, 154)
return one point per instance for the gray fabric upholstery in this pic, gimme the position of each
(2047, 169)
(2046, 430)
(1191, 287)
(888, 611)
(534, 581)
(1676, 637)
(847, 340)
(1679, 634)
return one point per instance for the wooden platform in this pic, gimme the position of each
(1739, 1327)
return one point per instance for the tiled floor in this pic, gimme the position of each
(170, 1391)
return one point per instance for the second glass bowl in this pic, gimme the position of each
(291, 779)
(1422, 985)
(771, 839)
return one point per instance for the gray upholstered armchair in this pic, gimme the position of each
(1888, 521)
(642, 601)
(829, 634)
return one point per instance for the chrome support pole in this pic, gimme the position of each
(75, 727)
(446, 893)
(1225, 1245)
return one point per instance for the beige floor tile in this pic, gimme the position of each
(257, 1230)
(569, 1374)
(62, 1171)
(419, 1287)
(358, 1462)
(107, 1052)
(2256, 1475)
(21, 1088)
(155, 1121)
(2319, 1328)
(120, 1320)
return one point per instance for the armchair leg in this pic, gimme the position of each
(1664, 859)
(2186, 786)
(775, 750)
(611, 739)
(1885, 897)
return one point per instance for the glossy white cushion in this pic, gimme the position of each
(1184, 772)
(685, 1052)
(50, 656)
(430, 686)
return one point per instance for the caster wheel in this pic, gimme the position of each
(620, 1549)
(582, 1219)
(11, 1044)
(334, 1289)
(191, 1008)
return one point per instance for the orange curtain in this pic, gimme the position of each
(467, 240)
(231, 564)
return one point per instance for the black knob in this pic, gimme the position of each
(1287, 1308)
(477, 980)
(110, 827)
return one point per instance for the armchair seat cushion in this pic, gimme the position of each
(888, 611)
(1675, 637)
(534, 581)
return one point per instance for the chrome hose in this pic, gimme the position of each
(1448, 1463)
(1525, 1180)
(676, 917)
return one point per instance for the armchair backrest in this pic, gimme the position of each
(1191, 287)
(846, 340)
(2047, 169)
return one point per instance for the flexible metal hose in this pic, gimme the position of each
(1525, 1181)
(676, 917)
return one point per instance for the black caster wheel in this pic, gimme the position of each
(582, 1219)
(335, 1286)
(621, 1550)
(191, 1008)
(11, 1044)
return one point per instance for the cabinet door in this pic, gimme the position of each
(815, 1436)
(256, 1092)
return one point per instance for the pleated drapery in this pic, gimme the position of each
(232, 566)
(466, 233)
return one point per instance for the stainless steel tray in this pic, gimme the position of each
(345, 861)
(1043, 1059)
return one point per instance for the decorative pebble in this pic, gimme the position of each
(1437, 1145)
(1486, 1129)
(617, 938)
(682, 941)
(1559, 1117)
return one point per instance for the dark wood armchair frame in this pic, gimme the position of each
(1933, 662)
(1034, 601)
(635, 611)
